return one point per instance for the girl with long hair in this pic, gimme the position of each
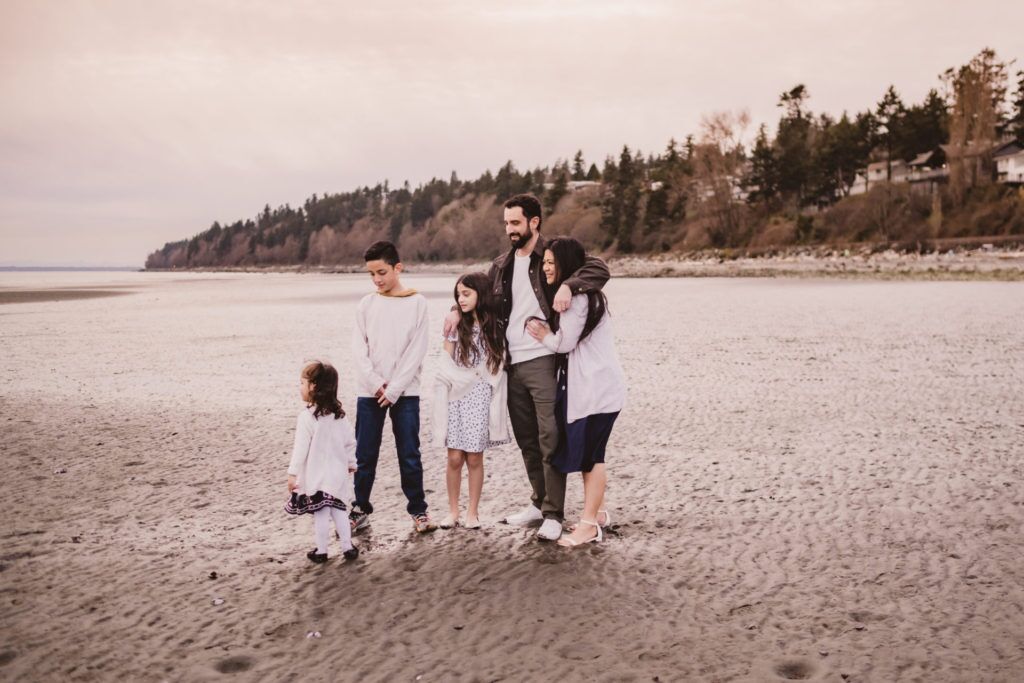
(475, 410)
(591, 387)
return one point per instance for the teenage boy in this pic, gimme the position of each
(519, 288)
(389, 343)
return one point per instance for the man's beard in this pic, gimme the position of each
(520, 242)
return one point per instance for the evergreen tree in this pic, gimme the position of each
(763, 181)
(593, 173)
(925, 126)
(536, 187)
(577, 166)
(689, 146)
(558, 189)
(890, 113)
(628, 196)
(672, 157)
(793, 145)
(611, 204)
(1016, 121)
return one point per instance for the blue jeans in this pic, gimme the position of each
(405, 424)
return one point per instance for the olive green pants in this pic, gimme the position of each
(531, 407)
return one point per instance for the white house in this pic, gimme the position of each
(1009, 160)
(575, 185)
(878, 172)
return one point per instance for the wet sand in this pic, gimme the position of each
(24, 296)
(812, 480)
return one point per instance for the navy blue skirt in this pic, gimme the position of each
(581, 444)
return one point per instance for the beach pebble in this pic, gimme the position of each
(459, 627)
(213, 575)
(61, 470)
(823, 653)
(76, 539)
(313, 634)
(218, 601)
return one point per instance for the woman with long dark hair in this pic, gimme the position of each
(591, 386)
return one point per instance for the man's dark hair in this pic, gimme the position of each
(384, 251)
(530, 206)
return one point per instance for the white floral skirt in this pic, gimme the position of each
(469, 421)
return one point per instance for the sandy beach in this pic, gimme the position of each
(813, 479)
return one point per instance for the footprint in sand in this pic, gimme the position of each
(234, 665)
(795, 670)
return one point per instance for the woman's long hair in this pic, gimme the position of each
(324, 379)
(570, 257)
(486, 311)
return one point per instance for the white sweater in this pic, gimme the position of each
(596, 382)
(453, 382)
(521, 345)
(389, 343)
(324, 449)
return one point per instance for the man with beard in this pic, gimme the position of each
(519, 289)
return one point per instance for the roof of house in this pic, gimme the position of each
(1008, 149)
(881, 165)
(970, 149)
(924, 158)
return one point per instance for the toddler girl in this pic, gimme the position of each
(323, 459)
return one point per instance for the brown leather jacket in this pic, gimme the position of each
(591, 276)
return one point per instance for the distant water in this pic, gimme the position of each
(68, 269)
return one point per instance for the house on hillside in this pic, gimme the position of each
(1009, 159)
(860, 183)
(878, 172)
(575, 185)
(927, 170)
(974, 158)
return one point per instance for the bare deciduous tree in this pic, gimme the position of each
(718, 157)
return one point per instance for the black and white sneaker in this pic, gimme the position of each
(315, 557)
(358, 519)
(422, 523)
(351, 554)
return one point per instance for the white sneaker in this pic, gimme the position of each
(550, 530)
(524, 516)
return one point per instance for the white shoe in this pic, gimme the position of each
(550, 530)
(524, 516)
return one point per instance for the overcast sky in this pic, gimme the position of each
(127, 124)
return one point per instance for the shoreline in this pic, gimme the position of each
(985, 263)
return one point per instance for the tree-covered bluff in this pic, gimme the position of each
(895, 172)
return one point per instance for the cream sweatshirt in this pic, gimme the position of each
(389, 343)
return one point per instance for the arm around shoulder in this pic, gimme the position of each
(570, 327)
(591, 276)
